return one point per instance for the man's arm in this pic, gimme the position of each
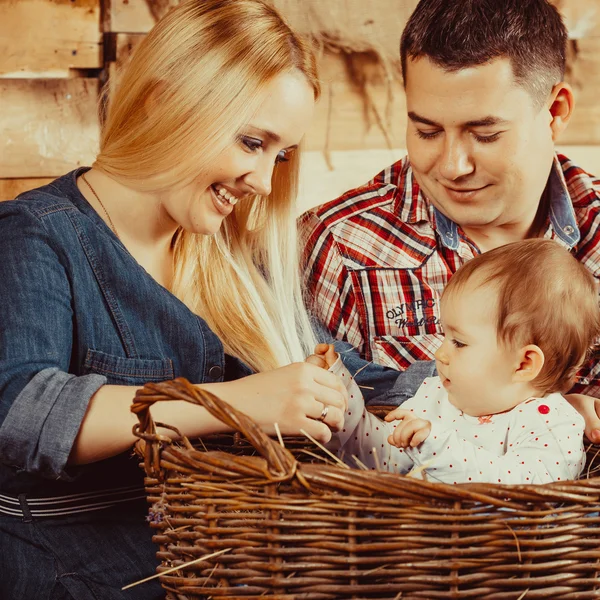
(589, 408)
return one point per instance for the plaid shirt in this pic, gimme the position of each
(378, 258)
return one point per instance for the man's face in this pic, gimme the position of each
(480, 148)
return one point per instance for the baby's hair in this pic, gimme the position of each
(545, 297)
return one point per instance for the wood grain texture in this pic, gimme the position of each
(11, 188)
(48, 126)
(47, 38)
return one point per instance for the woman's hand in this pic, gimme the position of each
(293, 396)
(589, 408)
(410, 432)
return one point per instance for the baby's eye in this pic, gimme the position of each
(458, 344)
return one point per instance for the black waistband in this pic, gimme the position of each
(58, 506)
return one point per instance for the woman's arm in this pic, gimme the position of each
(291, 396)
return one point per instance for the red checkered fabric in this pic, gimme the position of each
(377, 260)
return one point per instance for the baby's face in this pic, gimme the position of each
(474, 367)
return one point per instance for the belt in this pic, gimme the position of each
(58, 506)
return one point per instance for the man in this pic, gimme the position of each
(486, 102)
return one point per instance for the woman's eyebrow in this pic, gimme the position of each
(272, 136)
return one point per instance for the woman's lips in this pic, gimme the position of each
(222, 206)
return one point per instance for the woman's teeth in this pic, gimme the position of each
(225, 195)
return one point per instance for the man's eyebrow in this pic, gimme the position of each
(488, 121)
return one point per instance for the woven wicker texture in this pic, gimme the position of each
(300, 528)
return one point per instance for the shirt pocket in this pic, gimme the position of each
(127, 371)
(400, 352)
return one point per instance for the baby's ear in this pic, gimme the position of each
(530, 360)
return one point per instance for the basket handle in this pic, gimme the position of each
(280, 461)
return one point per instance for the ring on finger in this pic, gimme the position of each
(324, 412)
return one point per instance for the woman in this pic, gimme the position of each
(173, 256)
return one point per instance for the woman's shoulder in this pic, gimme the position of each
(56, 196)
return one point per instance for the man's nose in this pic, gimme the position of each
(455, 161)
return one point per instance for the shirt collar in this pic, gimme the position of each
(562, 215)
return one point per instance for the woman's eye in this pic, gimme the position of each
(252, 144)
(282, 157)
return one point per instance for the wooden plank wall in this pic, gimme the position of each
(54, 53)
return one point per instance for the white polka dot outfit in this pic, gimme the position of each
(538, 441)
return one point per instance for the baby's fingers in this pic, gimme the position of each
(398, 413)
(404, 433)
(421, 435)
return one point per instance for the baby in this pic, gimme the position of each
(518, 321)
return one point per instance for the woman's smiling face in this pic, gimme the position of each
(246, 167)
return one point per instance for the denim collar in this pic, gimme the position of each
(562, 215)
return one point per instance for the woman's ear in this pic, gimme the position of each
(530, 360)
(561, 106)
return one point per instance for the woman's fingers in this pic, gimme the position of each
(319, 361)
(318, 430)
(330, 389)
(332, 416)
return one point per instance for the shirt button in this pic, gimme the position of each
(382, 191)
(568, 230)
(215, 372)
(448, 234)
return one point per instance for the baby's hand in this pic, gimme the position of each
(324, 356)
(410, 432)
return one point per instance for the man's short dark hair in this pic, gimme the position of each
(457, 34)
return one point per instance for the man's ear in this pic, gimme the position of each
(530, 360)
(560, 106)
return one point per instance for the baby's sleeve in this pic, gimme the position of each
(543, 443)
(364, 435)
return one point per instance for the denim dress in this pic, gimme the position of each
(78, 312)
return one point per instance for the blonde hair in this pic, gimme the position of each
(206, 66)
(546, 297)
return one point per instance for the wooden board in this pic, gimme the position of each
(347, 118)
(132, 16)
(584, 77)
(11, 188)
(46, 38)
(48, 126)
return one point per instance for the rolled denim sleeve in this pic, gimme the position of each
(43, 422)
(41, 405)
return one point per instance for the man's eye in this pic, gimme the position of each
(486, 139)
(427, 135)
(252, 144)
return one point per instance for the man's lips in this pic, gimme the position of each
(463, 193)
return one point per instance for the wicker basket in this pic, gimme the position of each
(295, 529)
